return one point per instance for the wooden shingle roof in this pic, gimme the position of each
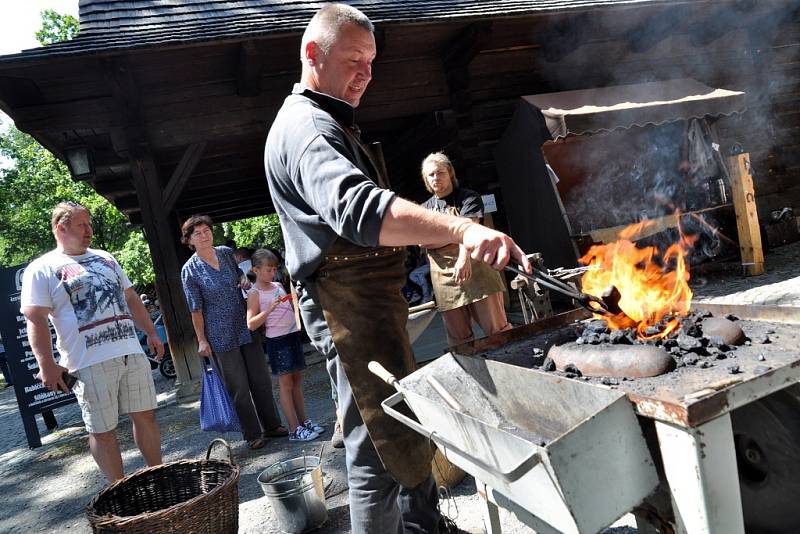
(113, 25)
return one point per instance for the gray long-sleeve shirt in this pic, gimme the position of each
(319, 180)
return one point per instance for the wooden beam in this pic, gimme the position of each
(16, 92)
(460, 51)
(652, 226)
(236, 214)
(160, 229)
(227, 181)
(249, 70)
(75, 115)
(456, 58)
(211, 206)
(242, 163)
(127, 202)
(162, 237)
(564, 35)
(177, 182)
(657, 27)
(254, 188)
(744, 203)
(114, 188)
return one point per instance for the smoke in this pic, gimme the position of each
(622, 177)
(645, 173)
(745, 45)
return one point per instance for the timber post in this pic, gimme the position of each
(456, 58)
(159, 228)
(744, 204)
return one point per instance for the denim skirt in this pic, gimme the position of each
(285, 353)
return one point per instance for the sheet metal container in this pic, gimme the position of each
(569, 452)
(296, 492)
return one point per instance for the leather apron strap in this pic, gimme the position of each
(359, 291)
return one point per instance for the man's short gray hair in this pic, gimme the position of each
(325, 25)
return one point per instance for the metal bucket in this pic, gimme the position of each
(296, 492)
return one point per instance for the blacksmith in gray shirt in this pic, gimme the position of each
(319, 180)
(344, 237)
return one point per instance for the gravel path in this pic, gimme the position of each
(47, 489)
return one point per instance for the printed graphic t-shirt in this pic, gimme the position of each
(86, 295)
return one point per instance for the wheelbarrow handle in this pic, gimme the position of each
(381, 372)
(527, 463)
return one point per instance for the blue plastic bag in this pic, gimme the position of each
(216, 409)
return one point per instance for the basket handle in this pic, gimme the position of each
(227, 446)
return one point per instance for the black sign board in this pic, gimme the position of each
(32, 397)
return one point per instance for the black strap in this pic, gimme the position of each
(381, 180)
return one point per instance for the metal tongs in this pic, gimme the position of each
(608, 304)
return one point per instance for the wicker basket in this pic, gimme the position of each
(183, 496)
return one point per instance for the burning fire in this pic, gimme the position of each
(652, 285)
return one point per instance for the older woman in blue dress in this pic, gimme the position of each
(212, 283)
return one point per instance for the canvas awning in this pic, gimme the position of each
(610, 108)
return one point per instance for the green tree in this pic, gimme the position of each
(264, 231)
(29, 188)
(135, 259)
(32, 181)
(56, 27)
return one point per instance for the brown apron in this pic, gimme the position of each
(359, 291)
(450, 294)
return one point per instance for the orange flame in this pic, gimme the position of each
(651, 285)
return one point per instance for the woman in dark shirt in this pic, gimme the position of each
(212, 283)
(466, 291)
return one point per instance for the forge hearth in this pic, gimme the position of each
(591, 349)
(769, 346)
(711, 422)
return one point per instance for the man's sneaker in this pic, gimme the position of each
(314, 427)
(301, 433)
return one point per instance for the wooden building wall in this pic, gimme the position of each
(758, 53)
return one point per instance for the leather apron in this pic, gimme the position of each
(359, 292)
(450, 294)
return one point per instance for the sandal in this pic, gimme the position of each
(277, 432)
(256, 443)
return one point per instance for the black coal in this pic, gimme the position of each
(687, 345)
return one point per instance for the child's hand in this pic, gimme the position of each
(275, 302)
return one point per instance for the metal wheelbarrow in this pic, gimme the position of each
(419, 317)
(570, 453)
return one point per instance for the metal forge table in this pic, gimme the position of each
(690, 409)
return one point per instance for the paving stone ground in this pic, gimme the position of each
(778, 286)
(46, 489)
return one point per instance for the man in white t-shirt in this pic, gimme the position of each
(94, 309)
